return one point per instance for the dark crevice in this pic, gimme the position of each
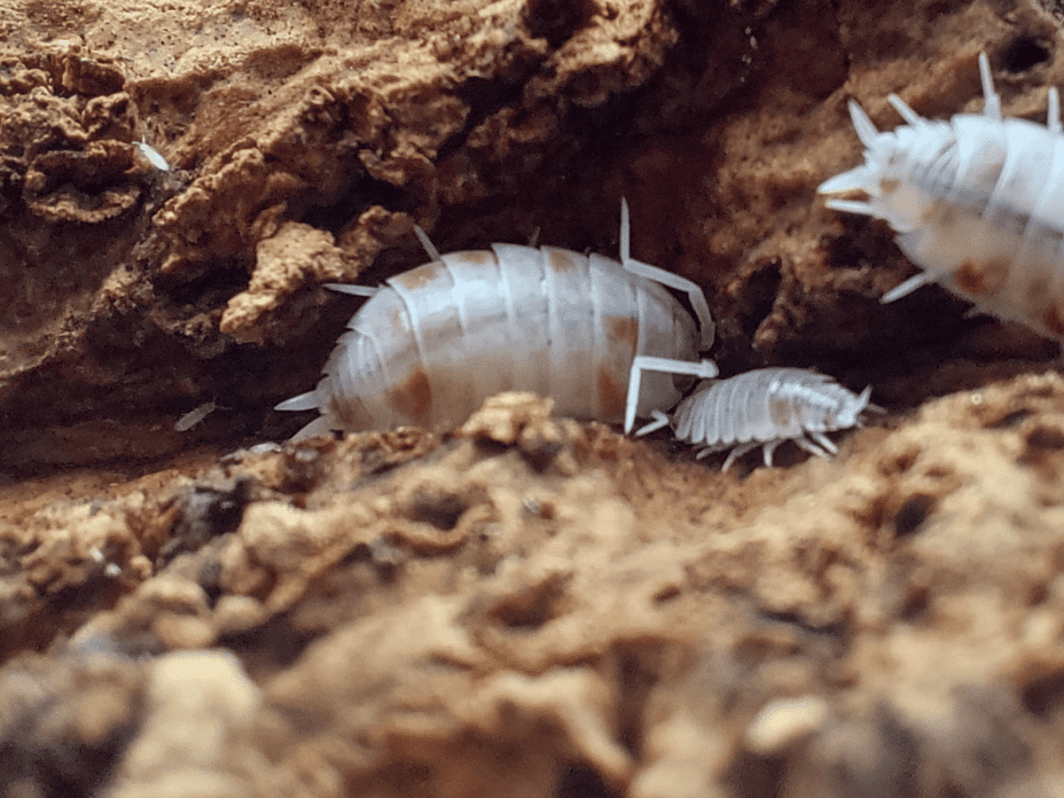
(581, 781)
(557, 21)
(1023, 53)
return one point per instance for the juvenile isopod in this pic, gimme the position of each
(152, 155)
(764, 407)
(194, 416)
(436, 341)
(977, 202)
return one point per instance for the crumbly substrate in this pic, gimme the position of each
(532, 606)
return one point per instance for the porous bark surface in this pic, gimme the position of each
(526, 605)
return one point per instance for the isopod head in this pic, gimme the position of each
(884, 176)
(973, 201)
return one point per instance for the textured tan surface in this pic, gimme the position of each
(527, 606)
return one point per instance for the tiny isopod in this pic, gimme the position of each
(434, 342)
(977, 202)
(152, 155)
(194, 416)
(764, 407)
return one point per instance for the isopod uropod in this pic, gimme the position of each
(436, 341)
(978, 203)
(764, 407)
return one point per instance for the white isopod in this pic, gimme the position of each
(764, 407)
(436, 341)
(195, 416)
(978, 203)
(152, 155)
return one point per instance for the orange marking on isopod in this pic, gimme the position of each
(622, 331)
(780, 409)
(611, 394)
(477, 257)
(421, 276)
(1037, 291)
(981, 279)
(562, 260)
(413, 397)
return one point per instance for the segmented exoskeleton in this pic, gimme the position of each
(978, 204)
(764, 407)
(436, 341)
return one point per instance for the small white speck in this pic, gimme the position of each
(153, 156)
(194, 417)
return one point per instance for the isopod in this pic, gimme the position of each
(194, 416)
(977, 202)
(436, 341)
(764, 407)
(152, 155)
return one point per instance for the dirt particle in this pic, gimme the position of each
(1043, 693)
(531, 606)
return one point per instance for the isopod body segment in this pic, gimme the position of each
(434, 342)
(764, 407)
(977, 202)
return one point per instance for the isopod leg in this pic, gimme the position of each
(906, 288)
(706, 369)
(812, 448)
(311, 400)
(660, 420)
(694, 293)
(738, 452)
(866, 131)
(905, 111)
(992, 105)
(356, 290)
(319, 426)
(769, 448)
(1053, 112)
(825, 441)
(426, 242)
(851, 206)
